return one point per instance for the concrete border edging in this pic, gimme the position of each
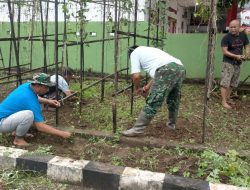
(141, 180)
(100, 176)
(66, 169)
(8, 156)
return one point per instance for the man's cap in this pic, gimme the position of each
(42, 78)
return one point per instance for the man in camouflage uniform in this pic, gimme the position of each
(167, 74)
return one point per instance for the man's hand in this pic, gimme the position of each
(240, 57)
(142, 92)
(66, 134)
(139, 91)
(54, 103)
(43, 127)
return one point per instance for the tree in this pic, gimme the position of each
(203, 10)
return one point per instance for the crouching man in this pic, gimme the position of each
(167, 74)
(63, 85)
(21, 108)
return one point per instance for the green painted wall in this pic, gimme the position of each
(190, 48)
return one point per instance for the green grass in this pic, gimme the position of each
(102, 117)
(28, 180)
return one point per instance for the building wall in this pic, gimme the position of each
(178, 18)
(182, 20)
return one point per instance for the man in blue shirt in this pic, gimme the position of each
(22, 107)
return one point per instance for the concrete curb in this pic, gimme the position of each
(100, 176)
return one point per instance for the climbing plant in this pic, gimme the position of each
(79, 16)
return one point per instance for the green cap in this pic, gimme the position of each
(42, 78)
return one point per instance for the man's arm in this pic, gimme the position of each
(136, 77)
(148, 86)
(231, 55)
(70, 95)
(42, 127)
(68, 92)
(49, 102)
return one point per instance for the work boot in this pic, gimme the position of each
(171, 120)
(141, 123)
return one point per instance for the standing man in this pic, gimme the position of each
(232, 45)
(167, 74)
(21, 108)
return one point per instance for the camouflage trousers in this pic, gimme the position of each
(166, 87)
(230, 75)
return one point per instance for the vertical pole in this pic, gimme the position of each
(103, 47)
(32, 32)
(64, 51)
(135, 20)
(67, 56)
(210, 63)
(149, 27)
(128, 44)
(1, 58)
(44, 41)
(81, 55)
(11, 45)
(149, 21)
(10, 56)
(18, 29)
(135, 24)
(127, 78)
(158, 23)
(13, 36)
(161, 20)
(45, 34)
(18, 34)
(56, 54)
(114, 99)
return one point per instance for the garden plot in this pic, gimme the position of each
(227, 129)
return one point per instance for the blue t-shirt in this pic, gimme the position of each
(22, 98)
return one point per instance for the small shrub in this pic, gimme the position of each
(229, 167)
